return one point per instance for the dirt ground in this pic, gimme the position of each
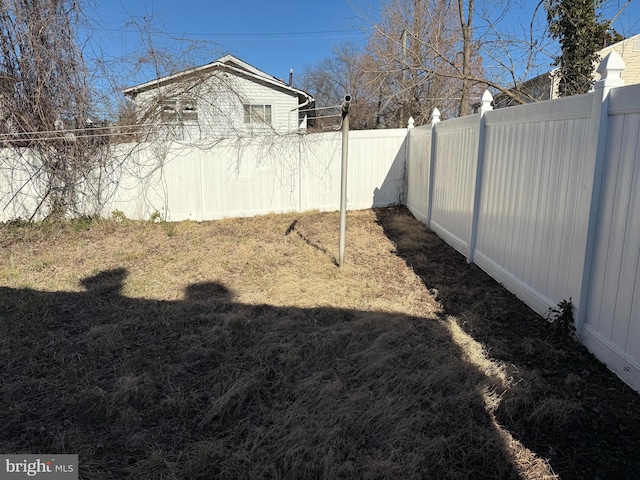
(238, 349)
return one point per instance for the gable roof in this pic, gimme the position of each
(227, 63)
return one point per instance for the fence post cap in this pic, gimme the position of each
(610, 70)
(411, 122)
(435, 116)
(487, 98)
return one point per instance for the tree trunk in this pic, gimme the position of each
(467, 37)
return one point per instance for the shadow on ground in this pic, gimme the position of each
(210, 388)
(561, 402)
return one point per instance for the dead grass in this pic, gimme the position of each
(237, 349)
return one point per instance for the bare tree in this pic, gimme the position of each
(513, 52)
(46, 103)
(465, 13)
(333, 78)
(421, 59)
(444, 53)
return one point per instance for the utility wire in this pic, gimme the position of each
(89, 132)
(262, 35)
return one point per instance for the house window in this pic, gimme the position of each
(257, 114)
(184, 110)
(169, 111)
(189, 110)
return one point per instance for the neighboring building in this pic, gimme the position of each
(629, 51)
(227, 97)
(545, 87)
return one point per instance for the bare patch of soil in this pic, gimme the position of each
(237, 349)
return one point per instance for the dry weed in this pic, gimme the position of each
(238, 349)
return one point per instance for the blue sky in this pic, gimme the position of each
(272, 35)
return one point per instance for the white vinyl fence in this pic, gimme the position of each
(612, 317)
(228, 178)
(546, 199)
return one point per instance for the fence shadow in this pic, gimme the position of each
(560, 401)
(207, 387)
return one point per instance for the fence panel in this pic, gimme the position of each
(136, 182)
(258, 175)
(376, 176)
(612, 326)
(320, 171)
(20, 190)
(531, 233)
(418, 160)
(250, 176)
(454, 172)
(544, 214)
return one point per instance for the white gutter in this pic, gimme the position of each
(303, 104)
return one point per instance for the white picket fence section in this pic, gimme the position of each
(546, 199)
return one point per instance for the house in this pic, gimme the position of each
(545, 87)
(227, 97)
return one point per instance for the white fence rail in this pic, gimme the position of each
(546, 199)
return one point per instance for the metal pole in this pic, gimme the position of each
(343, 180)
(404, 110)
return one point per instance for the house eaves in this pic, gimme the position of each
(228, 63)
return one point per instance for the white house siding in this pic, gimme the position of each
(284, 105)
(220, 97)
(629, 51)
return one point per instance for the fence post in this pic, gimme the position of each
(435, 119)
(404, 194)
(487, 98)
(610, 70)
